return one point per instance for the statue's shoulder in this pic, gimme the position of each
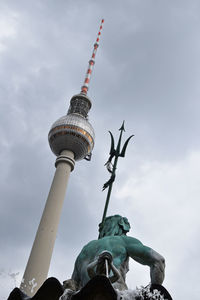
(131, 240)
(90, 246)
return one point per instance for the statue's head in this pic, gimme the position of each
(114, 225)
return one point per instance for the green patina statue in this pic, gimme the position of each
(115, 248)
(109, 254)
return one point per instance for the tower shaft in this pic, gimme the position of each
(71, 138)
(39, 260)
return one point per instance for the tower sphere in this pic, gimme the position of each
(72, 132)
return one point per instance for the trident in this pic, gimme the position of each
(114, 153)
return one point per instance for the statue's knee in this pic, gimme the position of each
(51, 289)
(70, 284)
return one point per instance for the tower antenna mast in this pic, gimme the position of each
(85, 87)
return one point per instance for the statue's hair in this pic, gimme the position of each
(114, 225)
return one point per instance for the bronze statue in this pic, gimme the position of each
(115, 247)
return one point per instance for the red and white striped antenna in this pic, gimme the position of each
(84, 88)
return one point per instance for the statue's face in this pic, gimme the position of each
(126, 224)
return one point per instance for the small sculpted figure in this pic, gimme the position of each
(115, 248)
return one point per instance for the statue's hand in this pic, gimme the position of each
(105, 255)
(98, 265)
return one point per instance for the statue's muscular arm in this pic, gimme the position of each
(146, 256)
(87, 254)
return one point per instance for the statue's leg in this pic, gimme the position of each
(51, 290)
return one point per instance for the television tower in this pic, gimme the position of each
(71, 138)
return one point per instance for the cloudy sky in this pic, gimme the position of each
(147, 73)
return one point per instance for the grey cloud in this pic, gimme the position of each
(146, 72)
